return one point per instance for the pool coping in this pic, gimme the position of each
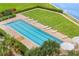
(25, 41)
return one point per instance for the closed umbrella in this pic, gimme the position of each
(67, 46)
(76, 39)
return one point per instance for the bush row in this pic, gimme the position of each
(12, 44)
(7, 12)
(7, 17)
(26, 9)
(49, 48)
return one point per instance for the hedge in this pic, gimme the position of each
(60, 11)
(26, 9)
(7, 17)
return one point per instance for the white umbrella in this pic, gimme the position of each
(76, 39)
(67, 46)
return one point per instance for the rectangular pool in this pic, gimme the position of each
(34, 34)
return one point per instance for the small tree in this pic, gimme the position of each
(51, 48)
(13, 10)
(7, 12)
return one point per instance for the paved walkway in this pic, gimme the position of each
(70, 19)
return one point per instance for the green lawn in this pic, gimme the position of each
(22, 6)
(18, 6)
(55, 21)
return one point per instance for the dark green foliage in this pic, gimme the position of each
(7, 17)
(6, 12)
(51, 47)
(26, 9)
(4, 51)
(56, 10)
(11, 16)
(48, 48)
(2, 33)
(10, 43)
(21, 48)
(10, 13)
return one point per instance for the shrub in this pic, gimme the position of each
(21, 48)
(7, 17)
(48, 48)
(1, 19)
(10, 43)
(2, 33)
(7, 12)
(1, 15)
(11, 16)
(13, 10)
(26, 9)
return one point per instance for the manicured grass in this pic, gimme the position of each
(22, 6)
(18, 6)
(55, 21)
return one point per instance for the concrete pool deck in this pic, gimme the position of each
(25, 41)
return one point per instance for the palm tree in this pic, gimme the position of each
(48, 48)
(51, 48)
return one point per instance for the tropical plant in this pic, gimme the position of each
(10, 44)
(2, 33)
(48, 48)
(51, 48)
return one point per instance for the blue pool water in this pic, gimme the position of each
(70, 8)
(34, 34)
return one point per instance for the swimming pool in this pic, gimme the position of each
(34, 34)
(70, 8)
